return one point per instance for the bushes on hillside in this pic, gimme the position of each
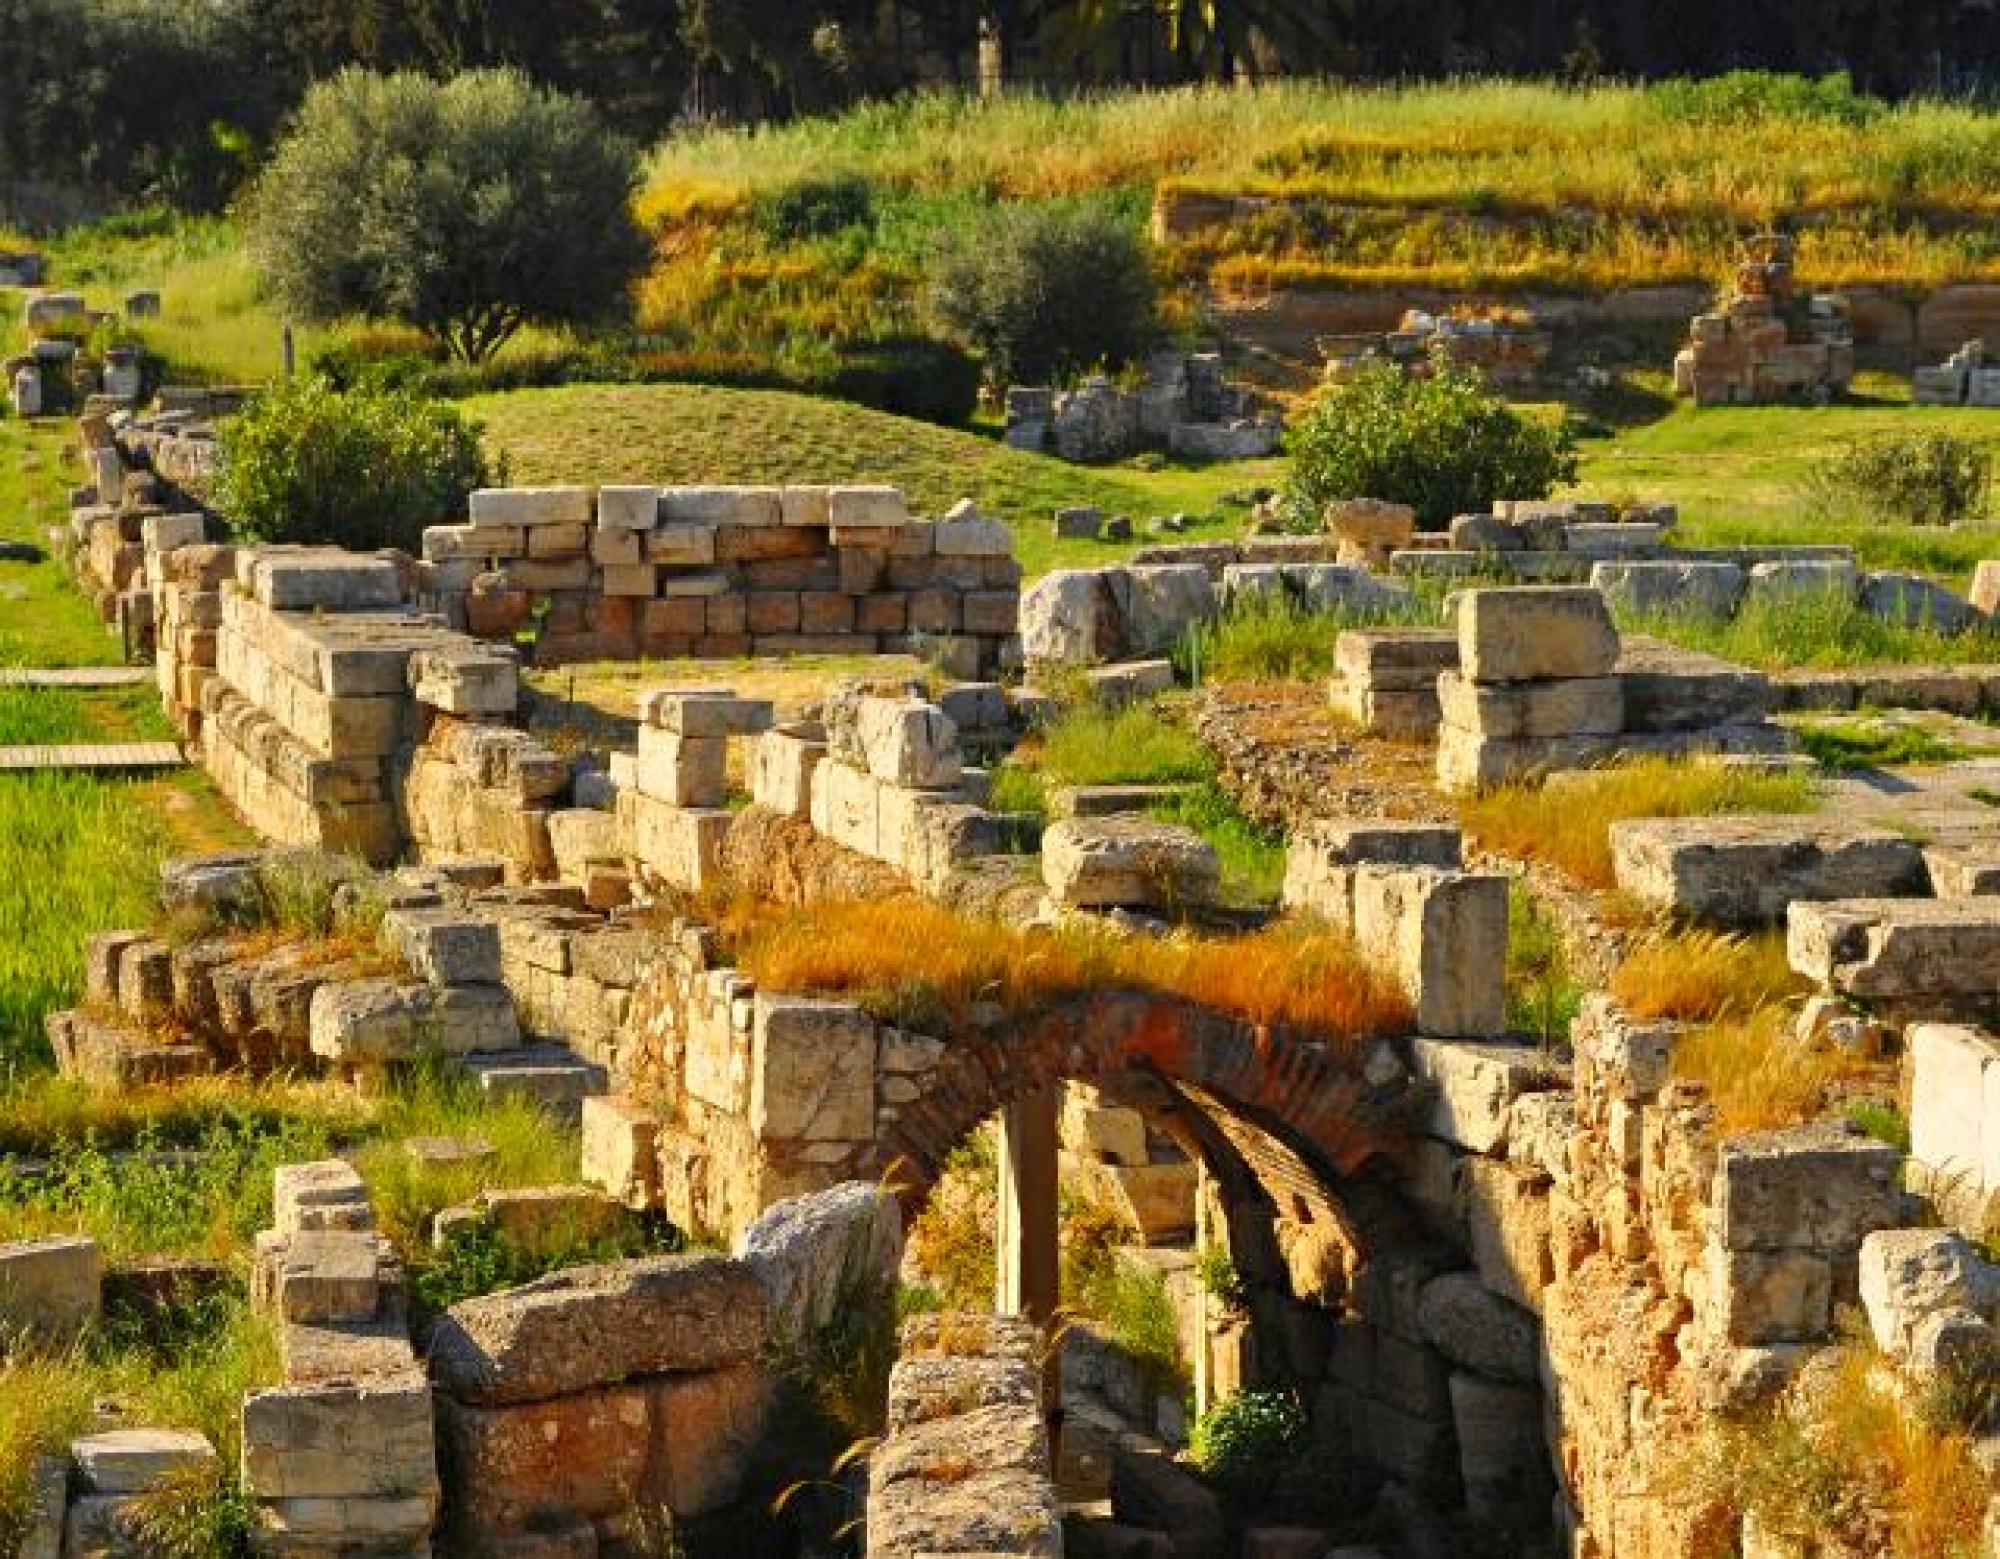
(1916, 478)
(362, 468)
(468, 208)
(1443, 443)
(1048, 291)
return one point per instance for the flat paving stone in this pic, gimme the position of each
(97, 755)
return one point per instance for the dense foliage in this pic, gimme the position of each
(1047, 292)
(1441, 442)
(359, 468)
(1914, 478)
(467, 208)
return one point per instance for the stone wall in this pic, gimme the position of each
(1185, 406)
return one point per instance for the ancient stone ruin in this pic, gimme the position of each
(1510, 346)
(1185, 406)
(1766, 342)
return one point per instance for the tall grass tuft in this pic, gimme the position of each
(920, 963)
(1758, 1073)
(1825, 630)
(1274, 638)
(1698, 976)
(1090, 744)
(1567, 821)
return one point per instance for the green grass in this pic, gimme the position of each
(1273, 638)
(1544, 991)
(1089, 744)
(669, 433)
(1874, 744)
(1826, 632)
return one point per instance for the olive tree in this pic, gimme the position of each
(468, 208)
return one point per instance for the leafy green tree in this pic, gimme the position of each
(1441, 442)
(1048, 291)
(360, 468)
(468, 208)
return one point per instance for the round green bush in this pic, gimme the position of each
(1441, 442)
(1048, 291)
(363, 468)
(1243, 1443)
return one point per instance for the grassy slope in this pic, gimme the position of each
(689, 433)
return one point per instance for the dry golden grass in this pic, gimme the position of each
(1847, 1455)
(1567, 822)
(1697, 976)
(1759, 1074)
(916, 960)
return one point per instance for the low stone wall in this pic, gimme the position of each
(1186, 407)
(965, 1465)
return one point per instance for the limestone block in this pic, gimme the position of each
(866, 508)
(305, 579)
(1668, 688)
(165, 532)
(1070, 617)
(372, 1022)
(520, 1466)
(1446, 934)
(1984, 593)
(1322, 855)
(1745, 871)
(1916, 602)
(683, 771)
(1671, 588)
(50, 1287)
(588, 1327)
(1477, 1330)
(714, 506)
(582, 837)
(781, 769)
(682, 546)
(908, 742)
(681, 845)
(369, 1438)
(133, 1461)
(620, 1155)
(1369, 530)
(1094, 1128)
(1954, 1083)
(1467, 761)
(1508, 1216)
(1909, 1275)
(628, 508)
(1475, 1087)
(704, 712)
(708, 1428)
(1396, 658)
(530, 506)
(1165, 601)
(445, 946)
(1130, 862)
(1817, 1188)
(1533, 711)
(328, 1194)
(1757, 1298)
(971, 536)
(326, 1275)
(847, 805)
(812, 1070)
(1503, 1456)
(466, 681)
(1532, 632)
(823, 1256)
(1797, 579)
(635, 580)
(310, 1528)
(1898, 949)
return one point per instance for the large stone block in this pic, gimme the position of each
(628, 508)
(1954, 1083)
(1164, 602)
(1509, 1219)
(1477, 1330)
(134, 1461)
(1533, 711)
(1445, 933)
(824, 1255)
(373, 1022)
(327, 1194)
(1818, 1188)
(781, 769)
(350, 1439)
(1128, 862)
(305, 579)
(812, 1070)
(1474, 1086)
(530, 506)
(1535, 632)
(620, 1149)
(908, 742)
(1504, 1460)
(1669, 688)
(1942, 951)
(1762, 1298)
(1746, 871)
(591, 1327)
(466, 680)
(1909, 1275)
(445, 946)
(683, 771)
(50, 1288)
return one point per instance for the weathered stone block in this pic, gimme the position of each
(908, 742)
(445, 946)
(358, 1439)
(589, 1327)
(1757, 1298)
(1533, 711)
(1744, 871)
(620, 1153)
(328, 1194)
(1670, 587)
(1908, 1275)
(133, 1461)
(1446, 934)
(1475, 1086)
(1131, 862)
(1892, 950)
(1534, 632)
(371, 1022)
(628, 508)
(683, 771)
(812, 1070)
(1954, 1083)
(867, 508)
(781, 769)
(1818, 1188)
(529, 506)
(50, 1288)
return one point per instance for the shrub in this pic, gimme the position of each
(1049, 291)
(468, 208)
(1913, 478)
(816, 208)
(363, 468)
(912, 376)
(1441, 442)
(1742, 96)
(1240, 1444)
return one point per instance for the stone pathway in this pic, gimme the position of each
(97, 755)
(77, 676)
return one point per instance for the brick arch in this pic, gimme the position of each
(1303, 1114)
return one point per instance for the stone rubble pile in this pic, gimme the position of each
(1186, 407)
(1508, 345)
(1766, 343)
(1963, 379)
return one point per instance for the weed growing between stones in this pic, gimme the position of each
(1544, 993)
(1699, 976)
(1568, 824)
(1273, 638)
(484, 1260)
(1869, 744)
(1759, 1074)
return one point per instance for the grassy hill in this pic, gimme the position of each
(671, 433)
